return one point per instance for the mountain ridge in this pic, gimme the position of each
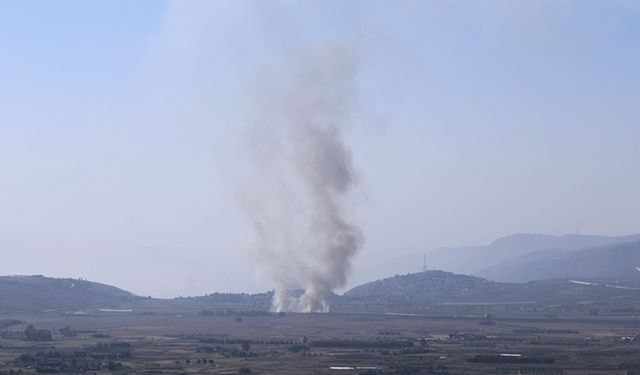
(472, 259)
(618, 261)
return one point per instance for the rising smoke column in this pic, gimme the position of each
(302, 176)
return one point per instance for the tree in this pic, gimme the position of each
(33, 334)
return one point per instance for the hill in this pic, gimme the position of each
(430, 284)
(617, 261)
(434, 287)
(39, 293)
(473, 259)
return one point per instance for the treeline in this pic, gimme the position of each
(389, 331)
(631, 309)
(228, 351)
(355, 343)
(29, 334)
(207, 338)
(62, 365)
(98, 351)
(538, 330)
(531, 370)
(68, 332)
(415, 350)
(332, 343)
(230, 341)
(4, 323)
(33, 334)
(485, 358)
(258, 298)
(230, 312)
(110, 351)
(474, 337)
(298, 348)
(91, 359)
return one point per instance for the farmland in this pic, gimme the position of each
(174, 336)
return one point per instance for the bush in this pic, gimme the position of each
(27, 358)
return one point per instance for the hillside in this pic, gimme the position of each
(429, 284)
(433, 287)
(617, 261)
(38, 293)
(474, 259)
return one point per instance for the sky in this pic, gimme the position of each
(123, 129)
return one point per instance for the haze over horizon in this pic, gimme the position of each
(121, 128)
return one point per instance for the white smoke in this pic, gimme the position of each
(303, 173)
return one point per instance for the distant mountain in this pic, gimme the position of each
(38, 293)
(504, 271)
(473, 259)
(618, 261)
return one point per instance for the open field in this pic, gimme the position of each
(157, 337)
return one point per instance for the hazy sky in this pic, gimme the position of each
(122, 127)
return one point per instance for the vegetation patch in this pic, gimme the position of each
(230, 312)
(551, 331)
(4, 323)
(298, 348)
(355, 343)
(389, 332)
(29, 334)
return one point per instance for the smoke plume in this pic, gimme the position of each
(302, 175)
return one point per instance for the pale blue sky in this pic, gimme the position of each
(120, 128)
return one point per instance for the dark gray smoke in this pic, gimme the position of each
(296, 198)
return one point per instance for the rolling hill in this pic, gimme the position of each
(554, 263)
(435, 287)
(39, 293)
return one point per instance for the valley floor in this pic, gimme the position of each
(443, 339)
